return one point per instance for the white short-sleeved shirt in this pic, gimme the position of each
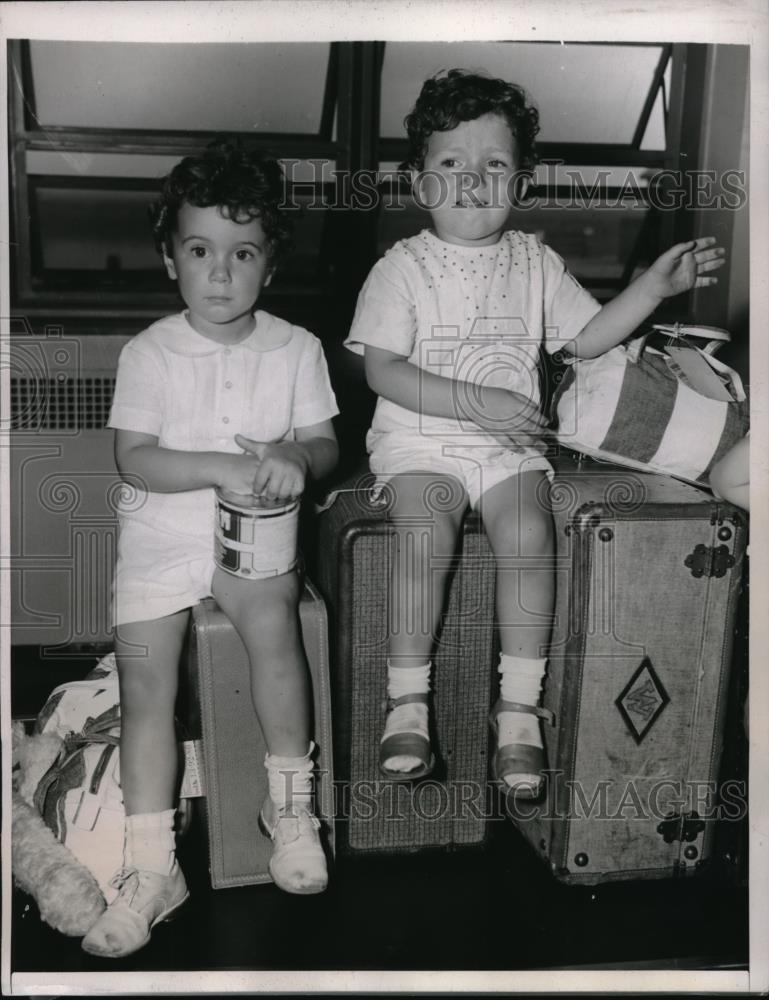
(473, 314)
(196, 395)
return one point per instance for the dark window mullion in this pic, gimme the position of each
(651, 97)
(330, 93)
(28, 85)
(155, 142)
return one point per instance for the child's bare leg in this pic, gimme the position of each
(147, 656)
(151, 886)
(730, 476)
(266, 616)
(520, 531)
(427, 512)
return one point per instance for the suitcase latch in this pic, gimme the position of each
(707, 560)
(683, 827)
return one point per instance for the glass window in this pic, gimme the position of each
(75, 163)
(61, 163)
(82, 234)
(584, 93)
(200, 87)
(87, 236)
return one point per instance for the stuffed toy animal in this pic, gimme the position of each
(68, 816)
(67, 894)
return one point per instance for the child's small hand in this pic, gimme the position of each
(237, 472)
(684, 267)
(510, 417)
(282, 469)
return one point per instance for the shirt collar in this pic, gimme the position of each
(268, 335)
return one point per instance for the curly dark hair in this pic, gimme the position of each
(226, 175)
(460, 96)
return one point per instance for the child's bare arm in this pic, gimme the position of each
(679, 269)
(165, 470)
(497, 410)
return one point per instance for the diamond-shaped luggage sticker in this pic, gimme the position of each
(642, 700)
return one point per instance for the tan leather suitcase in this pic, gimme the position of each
(648, 580)
(233, 749)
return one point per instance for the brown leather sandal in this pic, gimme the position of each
(518, 758)
(406, 745)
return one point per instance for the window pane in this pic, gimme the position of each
(152, 166)
(74, 163)
(584, 93)
(86, 229)
(201, 87)
(90, 237)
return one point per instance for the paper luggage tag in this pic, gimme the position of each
(690, 330)
(192, 778)
(697, 373)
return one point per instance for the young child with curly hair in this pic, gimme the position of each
(218, 395)
(450, 323)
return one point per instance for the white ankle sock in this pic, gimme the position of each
(150, 842)
(521, 681)
(290, 780)
(408, 718)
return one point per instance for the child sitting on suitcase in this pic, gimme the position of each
(216, 396)
(450, 323)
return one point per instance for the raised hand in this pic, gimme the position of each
(685, 266)
(282, 468)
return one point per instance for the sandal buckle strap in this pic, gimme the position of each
(413, 697)
(516, 706)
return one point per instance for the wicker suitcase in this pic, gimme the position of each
(233, 748)
(648, 578)
(451, 808)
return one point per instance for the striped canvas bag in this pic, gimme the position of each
(80, 797)
(672, 409)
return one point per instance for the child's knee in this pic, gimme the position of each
(262, 607)
(716, 479)
(524, 530)
(145, 689)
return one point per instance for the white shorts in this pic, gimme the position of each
(158, 574)
(479, 468)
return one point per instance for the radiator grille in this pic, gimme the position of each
(61, 403)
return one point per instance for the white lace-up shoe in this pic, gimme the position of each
(298, 862)
(144, 899)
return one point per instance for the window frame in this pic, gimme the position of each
(351, 99)
(350, 92)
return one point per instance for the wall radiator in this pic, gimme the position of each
(63, 483)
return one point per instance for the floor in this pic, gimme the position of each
(490, 908)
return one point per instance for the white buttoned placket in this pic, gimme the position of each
(226, 382)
